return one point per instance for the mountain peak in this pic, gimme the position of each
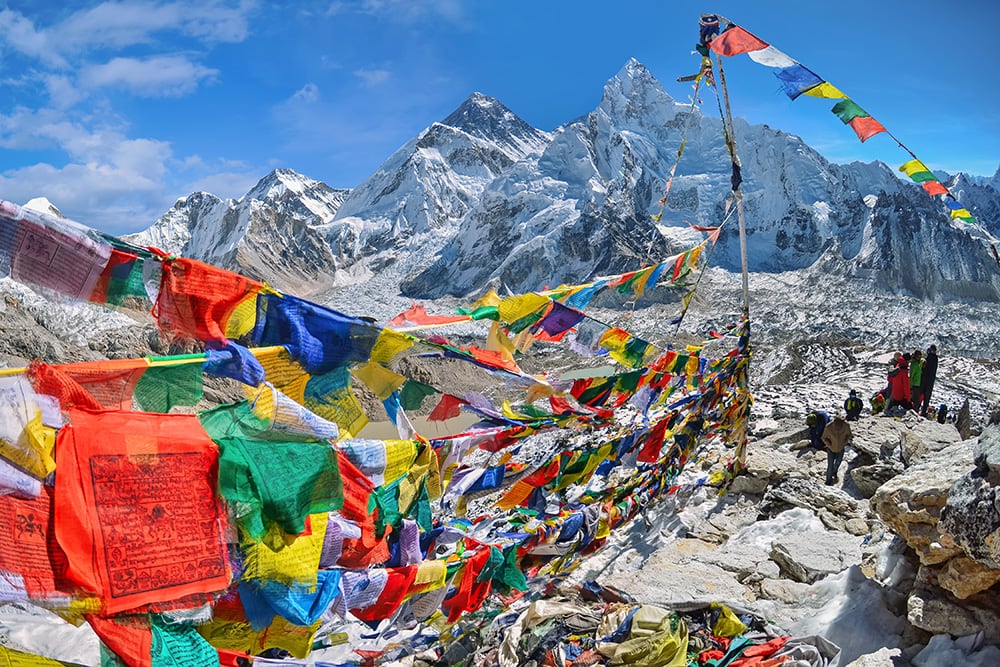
(278, 182)
(635, 92)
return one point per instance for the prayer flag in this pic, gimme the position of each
(319, 338)
(271, 477)
(197, 299)
(736, 40)
(128, 484)
(917, 171)
(797, 79)
(771, 57)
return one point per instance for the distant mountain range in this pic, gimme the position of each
(482, 199)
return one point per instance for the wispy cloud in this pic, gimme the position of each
(373, 77)
(116, 25)
(308, 93)
(159, 76)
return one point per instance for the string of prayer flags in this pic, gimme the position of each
(128, 484)
(796, 80)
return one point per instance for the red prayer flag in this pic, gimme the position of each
(30, 551)
(417, 315)
(650, 452)
(197, 299)
(396, 587)
(448, 407)
(137, 510)
(736, 40)
(866, 127)
(130, 639)
(934, 188)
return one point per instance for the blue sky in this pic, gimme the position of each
(113, 110)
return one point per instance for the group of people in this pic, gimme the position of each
(910, 382)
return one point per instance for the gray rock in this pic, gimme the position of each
(809, 557)
(783, 590)
(935, 610)
(971, 516)
(869, 478)
(911, 503)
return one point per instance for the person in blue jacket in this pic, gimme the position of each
(817, 421)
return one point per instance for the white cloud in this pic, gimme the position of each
(19, 33)
(63, 90)
(373, 77)
(121, 24)
(308, 93)
(160, 76)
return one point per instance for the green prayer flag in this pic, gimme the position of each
(271, 477)
(847, 111)
(413, 393)
(162, 387)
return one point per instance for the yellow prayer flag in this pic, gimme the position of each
(431, 575)
(423, 471)
(11, 658)
(279, 367)
(243, 317)
(400, 455)
(491, 298)
(389, 344)
(914, 167)
(514, 308)
(379, 379)
(240, 636)
(826, 90)
(298, 559)
(32, 451)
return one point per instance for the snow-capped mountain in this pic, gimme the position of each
(413, 202)
(584, 207)
(272, 233)
(482, 199)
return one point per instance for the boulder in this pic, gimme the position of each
(764, 466)
(911, 503)
(884, 657)
(971, 516)
(808, 557)
(935, 610)
(811, 494)
(868, 478)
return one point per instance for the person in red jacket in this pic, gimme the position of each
(899, 381)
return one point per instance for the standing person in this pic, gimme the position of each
(816, 421)
(899, 381)
(853, 406)
(916, 370)
(836, 436)
(928, 377)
